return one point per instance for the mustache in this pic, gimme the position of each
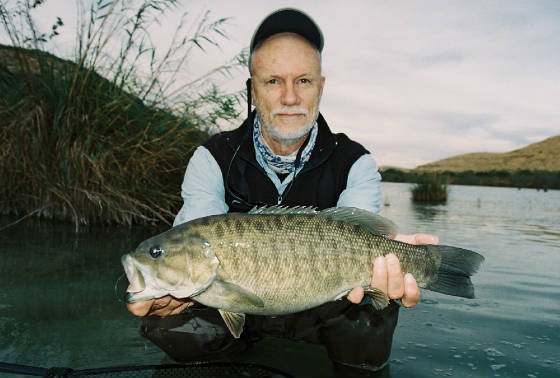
(290, 110)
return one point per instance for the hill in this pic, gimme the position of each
(540, 156)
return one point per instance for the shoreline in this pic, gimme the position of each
(540, 180)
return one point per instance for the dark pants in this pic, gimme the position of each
(356, 336)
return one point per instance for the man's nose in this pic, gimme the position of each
(290, 95)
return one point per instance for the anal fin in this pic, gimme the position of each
(379, 300)
(234, 322)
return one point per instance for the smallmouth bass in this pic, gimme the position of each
(277, 260)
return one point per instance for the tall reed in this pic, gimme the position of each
(96, 139)
(430, 187)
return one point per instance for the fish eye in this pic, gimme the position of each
(156, 252)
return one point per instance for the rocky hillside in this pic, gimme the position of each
(540, 156)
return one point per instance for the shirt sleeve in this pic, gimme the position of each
(202, 189)
(363, 188)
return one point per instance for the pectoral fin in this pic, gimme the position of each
(234, 322)
(235, 294)
(379, 300)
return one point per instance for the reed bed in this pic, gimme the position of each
(430, 187)
(92, 139)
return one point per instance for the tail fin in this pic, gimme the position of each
(456, 268)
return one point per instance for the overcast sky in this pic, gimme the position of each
(414, 81)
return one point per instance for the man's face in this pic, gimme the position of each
(287, 87)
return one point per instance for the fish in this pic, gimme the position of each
(279, 260)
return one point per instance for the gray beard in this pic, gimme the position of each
(290, 137)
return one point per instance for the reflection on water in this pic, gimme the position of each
(60, 298)
(427, 212)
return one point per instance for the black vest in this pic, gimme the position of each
(318, 184)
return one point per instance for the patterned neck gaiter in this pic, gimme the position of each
(282, 164)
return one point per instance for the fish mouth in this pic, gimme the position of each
(141, 287)
(134, 276)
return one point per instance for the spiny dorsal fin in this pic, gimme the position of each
(376, 224)
(283, 210)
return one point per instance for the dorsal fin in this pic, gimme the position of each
(376, 224)
(283, 210)
(369, 221)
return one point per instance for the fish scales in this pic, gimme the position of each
(286, 264)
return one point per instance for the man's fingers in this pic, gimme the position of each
(164, 306)
(395, 281)
(379, 279)
(180, 308)
(356, 295)
(388, 277)
(140, 308)
(160, 303)
(417, 238)
(411, 294)
(405, 238)
(425, 239)
(168, 305)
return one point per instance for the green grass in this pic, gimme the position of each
(93, 139)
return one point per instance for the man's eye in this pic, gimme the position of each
(304, 81)
(272, 81)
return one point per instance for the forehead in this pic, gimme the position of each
(284, 52)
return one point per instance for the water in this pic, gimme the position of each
(512, 328)
(61, 305)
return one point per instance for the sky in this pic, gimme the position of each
(413, 81)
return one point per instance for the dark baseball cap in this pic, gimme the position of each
(288, 20)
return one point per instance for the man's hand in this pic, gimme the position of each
(163, 306)
(417, 238)
(388, 276)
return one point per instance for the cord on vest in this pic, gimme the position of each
(248, 83)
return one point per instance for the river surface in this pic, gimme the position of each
(61, 297)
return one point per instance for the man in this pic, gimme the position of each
(284, 153)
